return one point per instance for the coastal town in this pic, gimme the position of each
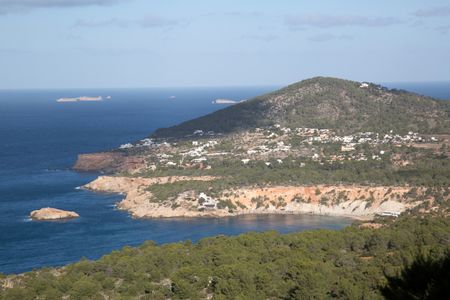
(277, 143)
(271, 170)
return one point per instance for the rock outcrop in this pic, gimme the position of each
(49, 214)
(137, 197)
(109, 162)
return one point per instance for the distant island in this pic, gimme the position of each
(322, 146)
(224, 101)
(82, 99)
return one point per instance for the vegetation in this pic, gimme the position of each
(327, 103)
(426, 278)
(404, 259)
(352, 264)
(425, 172)
(402, 165)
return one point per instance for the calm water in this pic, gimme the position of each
(39, 142)
(439, 90)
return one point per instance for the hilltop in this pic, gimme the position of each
(323, 102)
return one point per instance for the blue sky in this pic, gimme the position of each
(158, 43)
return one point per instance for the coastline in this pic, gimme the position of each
(137, 199)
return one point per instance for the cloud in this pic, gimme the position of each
(115, 51)
(295, 22)
(260, 37)
(152, 21)
(73, 37)
(101, 23)
(433, 12)
(325, 37)
(443, 29)
(11, 51)
(417, 23)
(148, 21)
(15, 6)
(322, 37)
(244, 14)
(255, 14)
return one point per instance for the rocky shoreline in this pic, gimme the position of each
(358, 202)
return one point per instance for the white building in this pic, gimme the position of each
(364, 85)
(206, 201)
(126, 146)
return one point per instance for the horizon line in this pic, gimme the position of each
(211, 86)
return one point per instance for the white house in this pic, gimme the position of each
(126, 146)
(206, 201)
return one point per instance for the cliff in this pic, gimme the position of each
(137, 200)
(109, 162)
(354, 201)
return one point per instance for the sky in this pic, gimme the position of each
(178, 43)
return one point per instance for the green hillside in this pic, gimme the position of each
(353, 263)
(324, 102)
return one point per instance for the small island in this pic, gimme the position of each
(81, 99)
(224, 101)
(51, 214)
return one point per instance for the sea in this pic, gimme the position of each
(39, 143)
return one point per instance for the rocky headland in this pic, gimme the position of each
(360, 202)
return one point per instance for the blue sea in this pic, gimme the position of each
(40, 140)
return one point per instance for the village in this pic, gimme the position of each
(274, 144)
(277, 169)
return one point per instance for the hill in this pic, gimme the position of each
(322, 102)
(323, 154)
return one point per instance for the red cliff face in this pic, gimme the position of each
(108, 162)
